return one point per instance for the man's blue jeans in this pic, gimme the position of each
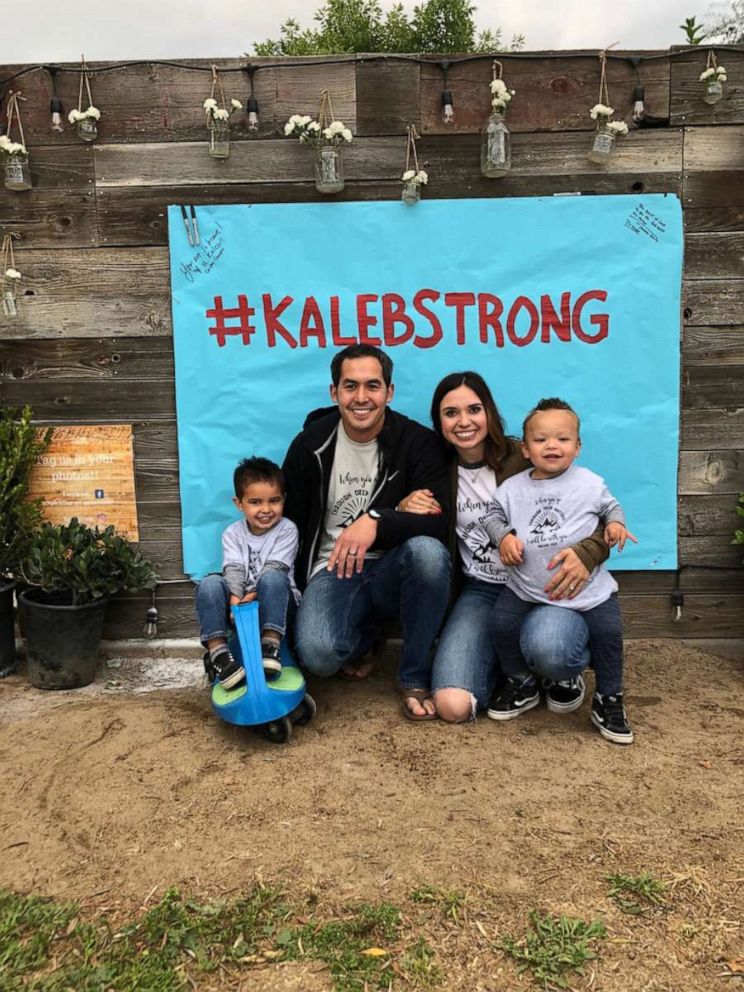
(336, 617)
(556, 642)
(275, 604)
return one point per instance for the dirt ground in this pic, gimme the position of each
(112, 793)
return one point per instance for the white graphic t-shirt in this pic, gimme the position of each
(351, 484)
(476, 491)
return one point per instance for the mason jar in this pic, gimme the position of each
(10, 307)
(603, 145)
(411, 192)
(87, 129)
(17, 172)
(495, 148)
(329, 172)
(219, 139)
(712, 90)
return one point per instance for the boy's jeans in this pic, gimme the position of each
(557, 643)
(335, 621)
(275, 604)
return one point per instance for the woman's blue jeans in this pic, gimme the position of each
(275, 604)
(557, 643)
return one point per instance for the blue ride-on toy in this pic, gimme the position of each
(270, 707)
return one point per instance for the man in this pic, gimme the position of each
(360, 559)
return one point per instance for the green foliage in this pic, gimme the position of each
(553, 946)
(694, 32)
(738, 533)
(88, 562)
(419, 965)
(20, 449)
(345, 26)
(636, 893)
(451, 901)
(729, 28)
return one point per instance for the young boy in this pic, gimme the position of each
(258, 555)
(536, 513)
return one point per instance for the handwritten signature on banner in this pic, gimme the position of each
(205, 258)
(644, 221)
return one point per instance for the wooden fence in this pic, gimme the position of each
(94, 342)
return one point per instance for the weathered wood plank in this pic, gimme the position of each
(96, 293)
(714, 256)
(713, 149)
(713, 386)
(156, 481)
(122, 359)
(59, 218)
(91, 401)
(713, 201)
(282, 161)
(714, 301)
(715, 550)
(712, 428)
(130, 215)
(729, 581)
(156, 441)
(713, 345)
(553, 93)
(388, 96)
(687, 104)
(701, 516)
(150, 102)
(711, 472)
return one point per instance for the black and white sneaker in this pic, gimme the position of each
(225, 668)
(609, 717)
(516, 695)
(270, 659)
(564, 697)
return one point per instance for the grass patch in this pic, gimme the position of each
(450, 901)
(636, 893)
(553, 946)
(46, 947)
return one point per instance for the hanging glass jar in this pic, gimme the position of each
(329, 169)
(219, 138)
(11, 277)
(87, 129)
(712, 90)
(17, 172)
(495, 148)
(10, 307)
(411, 192)
(603, 144)
(713, 77)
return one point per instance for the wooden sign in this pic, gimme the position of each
(88, 473)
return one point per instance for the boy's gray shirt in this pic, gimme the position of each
(245, 556)
(547, 516)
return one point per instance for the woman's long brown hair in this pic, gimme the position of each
(495, 447)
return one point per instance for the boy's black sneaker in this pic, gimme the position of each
(270, 659)
(225, 668)
(564, 697)
(609, 717)
(516, 695)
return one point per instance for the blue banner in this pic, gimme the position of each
(576, 297)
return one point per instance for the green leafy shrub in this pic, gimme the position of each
(85, 561)
(20, 449)
(739, 534)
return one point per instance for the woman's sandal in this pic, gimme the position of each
(420, 695)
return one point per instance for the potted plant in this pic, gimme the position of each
(73, 570)
(20, 447)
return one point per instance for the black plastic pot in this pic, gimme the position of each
(62, 640)
(7, 628)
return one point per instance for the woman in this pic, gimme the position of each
(465, 669)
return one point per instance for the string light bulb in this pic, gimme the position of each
(448, 109)
(56, 110)
(150, 630)
(639, 110)
(252, 108)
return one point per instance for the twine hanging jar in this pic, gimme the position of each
(413, 177)
(713, 77)
(607, 129)
(329, 163)
(495, 137)
(11, 277)
(218, 118)
(86, 120)
(16, 168)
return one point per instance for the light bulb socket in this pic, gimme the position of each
(447, 98)
(639, 94)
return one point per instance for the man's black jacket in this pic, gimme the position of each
(410, 457)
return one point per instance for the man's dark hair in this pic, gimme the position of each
(256, 469)
(361, 351)
(551, 403)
